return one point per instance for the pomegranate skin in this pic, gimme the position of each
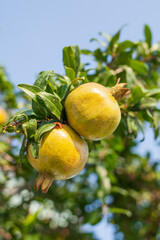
(92, 111)
(62, 155)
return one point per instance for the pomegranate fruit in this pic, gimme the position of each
(92, 109)
(3, 116)
(62, 155)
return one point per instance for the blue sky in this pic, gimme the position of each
(33, 33)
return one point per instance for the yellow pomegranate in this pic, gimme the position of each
(63, 154)
(92, 109)
(3, 116)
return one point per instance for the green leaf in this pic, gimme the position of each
(20, 115)
(132, 127)
(106, 36)
(121, 211)
(25, 127)
(120, 190)
(41, 81)
(142, 49)
(39, 109)
(62, 90)
(34, 148)
(99, 55)
(70, 86)
(156, 117)
(70, 73)
(137, 93)
(147, 116)
(22, 149)
(148, 35)
(30, 128)
(77, 53)
(93, 217)
(130, 77)
(123, 58)
(141, 128)
(84, 76)
(147, 103)
(125, 45)
(103, 44)
(69, 58)
(30, 90)
(52, 104)
(86, 52)
(138, 66)
(114, 39)
(152, 92)
(53, 98)
(51, 88)
(29, 221)
(43, 129)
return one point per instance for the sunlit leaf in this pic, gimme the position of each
(42, 130)
(42, 79)
(148, 35)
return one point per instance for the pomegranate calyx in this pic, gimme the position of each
(118, 91)
(58, 124)
(44, 181)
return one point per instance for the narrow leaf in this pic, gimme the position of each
(147, 103)
(30, 128)
(152, 92)
(121, 211)
(41, 81)
(77, 53)
(114, 39)
(34, 148)
(132, 127)
(130, 77)
(69, 58)
(148, 35)
(125, 45)
(51, 105)
(137, 94)
(22, 150)
(86, 52)
(30, 90)
(68, 89)
(53, 98)
(138, 66)
(21, 115)
(38, 109)
(70, 73)
(43, 129)
(62, 90)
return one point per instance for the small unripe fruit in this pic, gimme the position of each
(62, 155)
(3, 116)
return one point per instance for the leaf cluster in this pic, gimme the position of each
(47, 95)
(117, 182)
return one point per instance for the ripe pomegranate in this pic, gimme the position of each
(3, 116)
(62, 155)
(92, 109)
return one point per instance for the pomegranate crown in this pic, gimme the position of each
(118, 91)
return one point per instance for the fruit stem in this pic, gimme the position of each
(58, 124)
(118, 91)
(44, 181)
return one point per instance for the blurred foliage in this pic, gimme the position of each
(115, 182)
